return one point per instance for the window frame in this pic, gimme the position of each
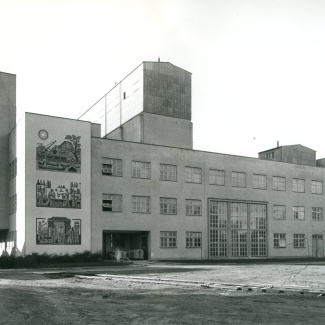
(190, 240)
(277, 183)
(297, 211)
(170, 237)
(313, 187)
(190, 202)
(237, 179)
(168, 207)
(113, 197)
(161, 173)
(257, 187)
(277, 238)
(135, 168)
(141, 196)
(299, 241)
(298, 185)
(315, 214)
(117, 169)
(192, 174)
(274, 210)
(217, 177)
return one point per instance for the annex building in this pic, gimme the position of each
(125, 175)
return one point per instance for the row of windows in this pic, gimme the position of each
(13, 204)
(13, 169)
(142, 204)
(279, 240)
(140, 169)
(168, 239)
(298, 212)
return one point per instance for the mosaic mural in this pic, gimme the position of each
(63, 157)
(58, 231)
(58, 196)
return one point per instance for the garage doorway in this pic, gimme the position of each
(133, 244)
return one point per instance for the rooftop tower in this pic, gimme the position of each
(150, 105)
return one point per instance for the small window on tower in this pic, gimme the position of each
(124, 95)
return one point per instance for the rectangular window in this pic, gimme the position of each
(270, 155)
(141, 204)
(298, 240)
(193, 239)
(298, 185)
(279, 240)
(238, 179)
(299, 213)
(193, 207)
(112, 167)
(168, 239)
(141, 169)
(317, 187)
(259, 181)
(317, 214)
(193, 175)
(216, 177)
(279, 183)
(168, 206)
(168, 173)
(279, 212)
(112, 202)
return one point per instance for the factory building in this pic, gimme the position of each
(124, 177)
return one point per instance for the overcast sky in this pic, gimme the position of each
(258, 66)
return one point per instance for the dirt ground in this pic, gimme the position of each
(189, 294)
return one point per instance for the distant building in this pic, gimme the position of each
(125, 176)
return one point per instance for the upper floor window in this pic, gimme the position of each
(112, 202)
(193, 207)
(193, 175)
(279, 211)
(299, 213)
(279, 183)
(168, 173)
(317, 187)
(270, 155)
(259, 181)
(298, 185)
(216, 177)
(238, 179)
(13, 169)
(317, 214)
(112, 167)
(141, 169)
(279, 240)
(168, 206)
(298, 240)
(141, 204)
(193, 239)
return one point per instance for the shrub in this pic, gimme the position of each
(36, 259)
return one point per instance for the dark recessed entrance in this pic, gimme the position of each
(132, 244)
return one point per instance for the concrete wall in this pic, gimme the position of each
(155, 222)
(167, 131)
(156, 129)
(57, 130)
(7, 123)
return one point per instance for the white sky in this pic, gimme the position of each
(258, 66)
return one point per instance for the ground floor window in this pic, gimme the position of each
(279, 240)
(298, 240)
(193, 239)
(168, 239)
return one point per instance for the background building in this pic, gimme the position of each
(125, 176)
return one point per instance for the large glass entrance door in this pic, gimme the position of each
(237, 229)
